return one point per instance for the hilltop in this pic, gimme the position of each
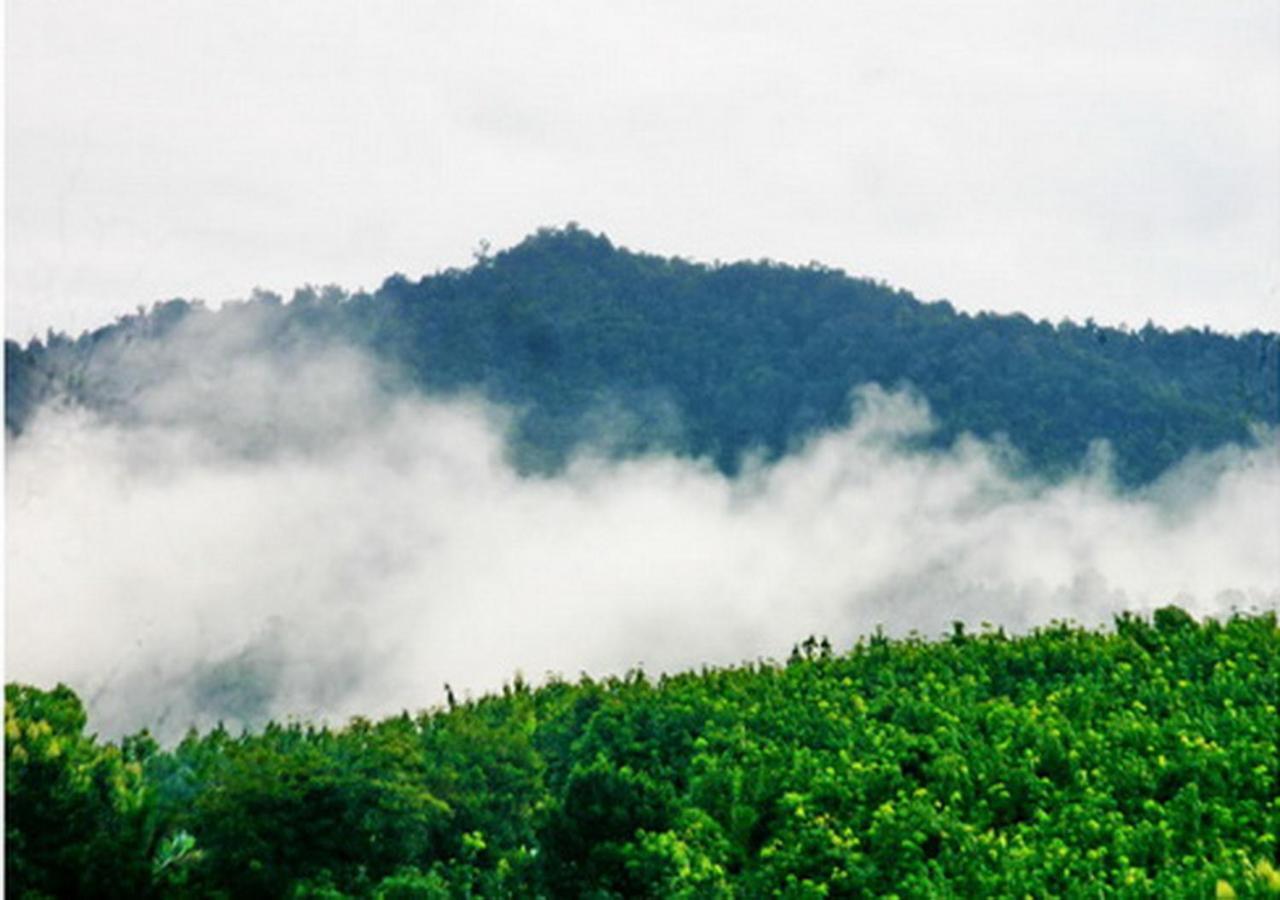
(593, 343)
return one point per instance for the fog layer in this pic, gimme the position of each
(272, 535)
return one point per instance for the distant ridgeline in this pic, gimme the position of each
(719, 360)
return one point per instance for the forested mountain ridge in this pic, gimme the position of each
(719, 360)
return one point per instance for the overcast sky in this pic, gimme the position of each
(1119, 160)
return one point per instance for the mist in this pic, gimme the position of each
(284, 533)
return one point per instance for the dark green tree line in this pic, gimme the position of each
(717, 360)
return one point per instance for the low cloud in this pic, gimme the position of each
(278, 534)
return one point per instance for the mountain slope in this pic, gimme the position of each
(596, 343)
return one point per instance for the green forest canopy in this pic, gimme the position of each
(1136, 761)
(720, 360)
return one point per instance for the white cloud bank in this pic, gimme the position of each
(284, 538)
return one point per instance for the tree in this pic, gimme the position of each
(77, 814)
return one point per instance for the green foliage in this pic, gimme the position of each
(292, 802)
(77, 813)
(595, 343)
(177, 855)
(1139, 761)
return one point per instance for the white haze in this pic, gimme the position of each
(1083, 158)
(278, 535)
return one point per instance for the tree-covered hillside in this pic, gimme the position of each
(596, 343)
(1136, 762)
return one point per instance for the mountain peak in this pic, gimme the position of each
(568, 243)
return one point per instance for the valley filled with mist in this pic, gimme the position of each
(571, 457)
(571, 460)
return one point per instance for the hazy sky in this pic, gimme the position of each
(1119, 160)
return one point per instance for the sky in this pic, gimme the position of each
(1073, 159)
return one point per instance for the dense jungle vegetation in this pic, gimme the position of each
(587, 339)
(1135, 761)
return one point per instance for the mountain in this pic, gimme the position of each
(597, 344)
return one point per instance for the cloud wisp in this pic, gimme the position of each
(278, 535)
